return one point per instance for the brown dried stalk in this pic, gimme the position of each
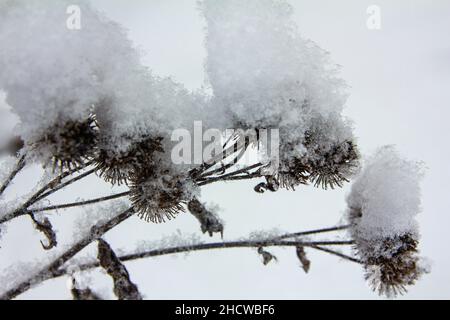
(19, 166)
(124, 289)
(48, 271)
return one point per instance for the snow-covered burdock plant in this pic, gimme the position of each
(382, 216)
(87, 106)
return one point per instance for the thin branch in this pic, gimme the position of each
(19, 166)
(213, 161)
(218, 245)
(228, 165)
(230, 178)
(55, 182)
(53, 185)
(47, 272)
(65, 184)
(305, 233)
(236, 172)
(344, 256)
(81, 203)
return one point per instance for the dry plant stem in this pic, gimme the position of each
(53, 185)
(225, 154)
(234, 173)
(47, 272)
(55, 182)
(19, 166)
(65, 184)
(228, 165)
(305, 233)
(81, 203)
(344, 256)
(230, 178)
(54, 269)
(221, 245)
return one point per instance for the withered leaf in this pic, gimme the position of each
(124, 289)
(44, 226)
(208, 221)
(267, 256)
(301, 254)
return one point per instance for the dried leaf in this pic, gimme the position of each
(260, 187)
(82, 294)
(124, 289)
(267, 256)
(301, 254)
(208, 221)
(46, 228)
(271, 184)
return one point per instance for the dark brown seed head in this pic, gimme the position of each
(324, 169)
(117, 167)
(391, 264)
(70, 144)
(156, 195)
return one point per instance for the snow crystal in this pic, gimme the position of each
(385, 197)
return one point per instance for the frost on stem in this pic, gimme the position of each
(265, 75)
(382, 205)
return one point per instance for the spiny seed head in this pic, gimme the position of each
(391, 263)
(325, 169)
(117, 167)
(69, 144)
(333, 167)
(390, 274)
(157, 195)
(293, 175)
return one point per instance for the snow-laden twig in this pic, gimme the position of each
(19, 166)
(65, 184)
(81, 203)
(48, 189)
(316, 231)
(47, 272)
(219, 245)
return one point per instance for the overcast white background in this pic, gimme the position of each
(399, 80)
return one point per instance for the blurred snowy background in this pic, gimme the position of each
(400, 93)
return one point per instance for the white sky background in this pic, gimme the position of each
(400, 93)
